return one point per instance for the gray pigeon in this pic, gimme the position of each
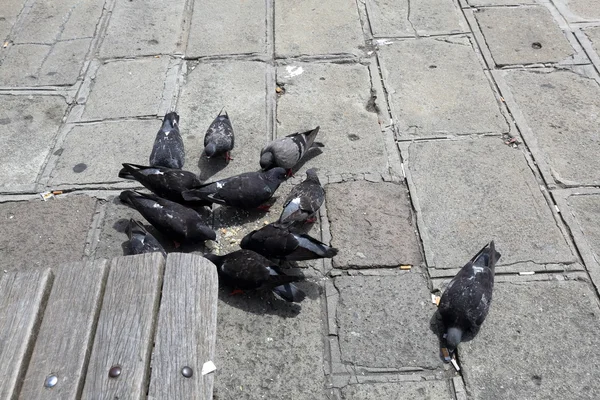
(304, 200)
(140, 241)
(248, 190)
(219, 138)
(466, 301)
(245, 269)
(168, 148)
(285, 152)
(177, 222)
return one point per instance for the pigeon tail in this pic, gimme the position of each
(130, 171)
(289, 292)
(318, 248)
(487, 256)
(311, 136)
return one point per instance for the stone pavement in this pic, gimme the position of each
(446, 124)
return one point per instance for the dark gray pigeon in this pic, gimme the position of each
(466, 301)
(140, 241)
(167, 183)
(177, 222)
(285, 152)
(168, 148)
(219, 138)
(248, 190)
(304, 200)
(247, 270)
(278, 241)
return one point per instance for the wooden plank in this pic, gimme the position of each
(23, 295)
(67, 332)
(125, 331)
(186, 329)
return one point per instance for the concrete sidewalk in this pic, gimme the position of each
(446, 124)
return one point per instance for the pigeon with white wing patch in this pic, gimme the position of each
(287, 151)
(304, 200)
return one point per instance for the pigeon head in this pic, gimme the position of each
(171, 120)
(210, 150)
(267, 161)
(311, 175)
(247, 242)
(201, 232)
(453, 338)
(276, 175)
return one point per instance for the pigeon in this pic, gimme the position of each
(245, 269)
(180, 223)
(219, 137)
(166, 182)
(285, 152)
(466, 301)
(140, 241)
(278, 241)
(304, 200)
(168, 148)
(248, 190)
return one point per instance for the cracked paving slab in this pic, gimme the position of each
(438, 88)
(143, 27)
(246, 27)
(407, 18)
(428, 390)
(93, 153)
(337, 98)
(237, 87)
(562, 109)
(539, 341)
(44, 233)
(490, 193)
(137, 83)
(522, 35)
(313, 27)
(29, 125)
(383, 321)
(372, 225)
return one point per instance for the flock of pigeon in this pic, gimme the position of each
(177, 194)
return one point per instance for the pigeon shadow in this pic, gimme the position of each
(310, 154)
(210, 166)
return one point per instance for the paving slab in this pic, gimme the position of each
(562, 110)
(372, 225)
(42, 234)
(589, 10)
(438, 88)
(238, 87)
(8, 15)
(244, 22)
(93, 153)
(430, 390)
(29, 125)
(406, 18)
(269, 348)
(522, 35)
(83, 20)
(515, 354)
(43, 21)
(469, 192)
(143, 27)
(383, 321)
(64, 63)
(477, 3)
(593, 33)
(337, 98)
(138, 84)
(313, 27)
(21, 64)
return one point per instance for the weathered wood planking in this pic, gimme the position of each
(22, 299)
(125, 330)
(65, 337)
(186, 329)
